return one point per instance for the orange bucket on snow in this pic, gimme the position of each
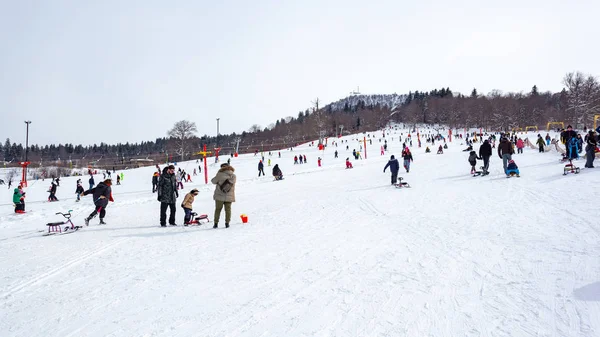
(244, 218)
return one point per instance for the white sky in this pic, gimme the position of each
(117, 71)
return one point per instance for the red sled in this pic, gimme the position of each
(197, 219)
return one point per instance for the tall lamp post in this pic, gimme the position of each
(217, 148)
(24, 164)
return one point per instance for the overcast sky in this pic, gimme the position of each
(116, 71)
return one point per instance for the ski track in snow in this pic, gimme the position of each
(327, 252)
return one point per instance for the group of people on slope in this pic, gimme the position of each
(224, 195)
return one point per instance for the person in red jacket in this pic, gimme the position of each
(348, 163)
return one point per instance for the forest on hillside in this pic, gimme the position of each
(577, 104)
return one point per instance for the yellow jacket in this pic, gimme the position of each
(188, 200)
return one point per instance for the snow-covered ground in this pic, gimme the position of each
(326, 252)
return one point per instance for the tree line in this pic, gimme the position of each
(577, 104)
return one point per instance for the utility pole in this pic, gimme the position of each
(27, 141)
(25, 163)
(218, 132)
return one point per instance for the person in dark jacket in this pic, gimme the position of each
(566, 137)
(407, 156)
(167, 195)
(485, 152)
(52, 196)
(79, 191)
(590, 149)
(91, 181)
(473, 161)
(102, 194)
(261, 168)
(155, 181)
(540, 143)
(505, 151)
(277, 172)
(394, 168)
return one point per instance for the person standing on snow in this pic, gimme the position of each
(52, 196)
(19, 200)
(277, 172)
(394, 168)
(505, 151)
(261, 168)
(102, 194)
(167, 195)
(520, 145)
(79, 190)
(224, 194)
(407, 156)
(540, 142)
(485, 152)
(154, 181)
(590, 149)
(91, 181)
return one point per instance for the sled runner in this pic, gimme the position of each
(56, 227)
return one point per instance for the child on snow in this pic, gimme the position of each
(188, 200)
(79, 190)
(473, 161)
(348, 163)
(512, 168)
(19, 200)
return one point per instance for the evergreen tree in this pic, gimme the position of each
(7, 154)
(474, 93)
(534, 91)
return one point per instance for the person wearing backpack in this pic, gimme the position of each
(224, 194)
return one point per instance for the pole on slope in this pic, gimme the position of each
(365, 142)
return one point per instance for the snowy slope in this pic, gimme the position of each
(327, 252)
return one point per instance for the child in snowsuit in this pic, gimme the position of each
(512, 168)
(19, 200)
(348, 163)
(79, 190)
(102, 194)
(155, 181)
(188, 200)
(473, 161)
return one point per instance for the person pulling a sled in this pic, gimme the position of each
(394, 168)
(187, 203)
(102, 194)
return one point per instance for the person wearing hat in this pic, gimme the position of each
(394, 168)
(187, 203)
(167, 195)
(590, 149)
(19, 199)
(102, 194)
(224, 193)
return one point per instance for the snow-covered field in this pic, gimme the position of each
(326, 252)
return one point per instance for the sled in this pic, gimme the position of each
(197, 219)
(512, 174)
(56, 227)
(570, 168)
(477, 173)
(401, 184)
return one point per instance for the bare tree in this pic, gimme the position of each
(255, 128)
(583, 99)
(182, 131)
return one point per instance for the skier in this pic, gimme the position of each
(188, 200)
(590, 149)
(394, 168)
(19, 200)
(52, 196)
(407, 156)
(79, 190)
(505, 151)
(485, 152)
(261, 168)
(167, 195)
(154, 181)
(277, 172)
(224, 194)
(102, 194)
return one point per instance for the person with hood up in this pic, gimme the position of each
(485, 152)
(505, 151)
(394, 168)
(19, 200)
(102, 194)
(224, 194)
(187, 203)
(277, 172)
(167, 195)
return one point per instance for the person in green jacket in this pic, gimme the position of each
(19, 200)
